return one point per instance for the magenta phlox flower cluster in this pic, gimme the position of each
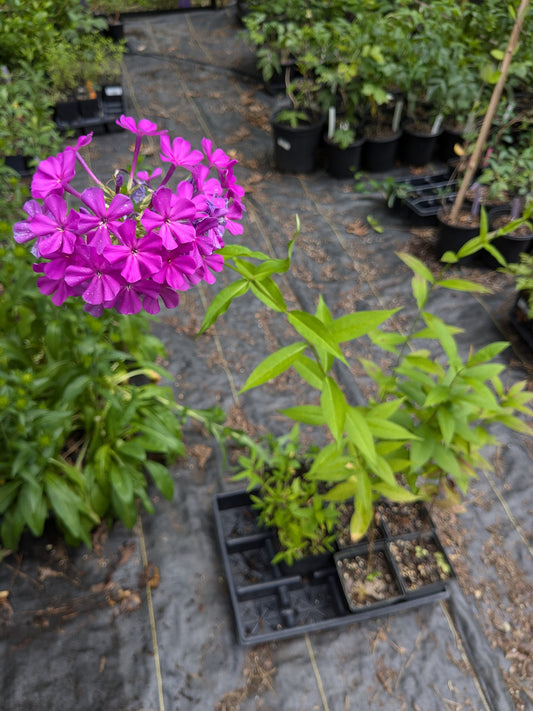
(130, 244)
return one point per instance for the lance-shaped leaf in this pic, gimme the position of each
(360, 434)
(222, 301)
(307, 414)
(364, 509)
(323, 314)
(269, 293)
(487, 353)
(230, 251)
(343, 491)
(385, 429)
(416, 266)
(310, 371)
(273, 365)
(419, 288)
(395, 492)
(314, 331)
(444, 335)
(464, 285)
(334, 406)
(350, 326)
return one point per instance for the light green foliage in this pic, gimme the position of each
(442, 57)
(422, 433)
(91, 60)
(29, 27)
(288, 501)
(522, 273)
(26, 125)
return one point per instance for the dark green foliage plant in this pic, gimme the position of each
(85, 425)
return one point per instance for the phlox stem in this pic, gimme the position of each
(170, 173)
(88, 170)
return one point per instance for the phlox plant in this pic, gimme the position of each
(422, 431)
(133, 242)
(86, 428)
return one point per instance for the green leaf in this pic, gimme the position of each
(364, 509)
(343, 491)
(446, 424)
(374, 224)
(121, 482)
(307, 414)
(269, 293)
(420, 290)
(437, 395)
(162, 478)
(394, 493)
(484, 371)
(222, 301)
(66, 505)
(416, 266)
(385, 429)
(314, 331)
(76, 387)
(464, 285)
(444, 335)
(360, 433)
(487, 353)
(350, 326)
(273, 365)
(334, 407)
(8, 492)
(421, 452)
(449, 464)
(309, 370)
(230, 251)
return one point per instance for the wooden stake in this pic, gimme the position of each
(491, 110)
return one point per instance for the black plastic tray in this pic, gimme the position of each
(112, 106)
(269, 605)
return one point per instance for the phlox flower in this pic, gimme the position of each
(53, 175)
(143, 128)
(131, 243)
(99, 279)
(105, 219)
(137, 257)
(171, 216)
(177, 264)
(216, 158)
(178, 152)
(55, 228)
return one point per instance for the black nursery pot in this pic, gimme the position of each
(446, 143)
(115, 31)
(417, 147)
(18, 163)
(379, 153)
(453, 237)
(295, 148)
(89, 108)
(66, 111)
(511, 246)
(343, 162)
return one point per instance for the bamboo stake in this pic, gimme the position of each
(491, 110)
